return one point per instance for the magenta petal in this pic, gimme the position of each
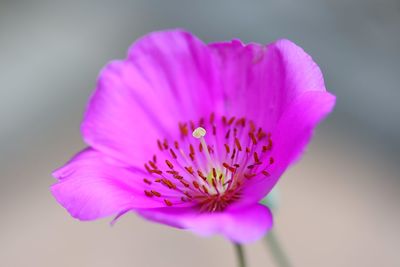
(169, 77)
(259, 82)
(292, 134)
(241, 225)
(93, 186)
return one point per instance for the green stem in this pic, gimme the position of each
(240, 255)
(276, 250)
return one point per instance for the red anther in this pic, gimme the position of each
(156, 171)
(176, 145)
(169, 164)
(168, 183)
(201, 175)
(189, 169)
(160, 145)
(261, 134)
(271, 160)
(183, 129)
(231, 120)
(200, 148)
(253, 138)
(227, 149)
(224, 120)
(249, 175)
(147, 181)
(196, 184)
(252, 126)
(237, 143)
(265, 173)
(147, 168)
(188, 194)
(153, 165)
(214, 172)
(165, 144)
(228, 133)
(233, 153)
(186, 184)
(229, 167)
(201, 122)
(179, 177)
(148, 193)
(212, 117)
(173, 153)
(204, 189)
(241, 122)
(256, 158)
(154, 158)
(214, 130)
(169, 203)
(155, 193)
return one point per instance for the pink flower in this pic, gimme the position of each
(194, 135)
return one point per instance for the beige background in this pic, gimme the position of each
(338, 206)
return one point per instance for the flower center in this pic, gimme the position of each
(209, 168)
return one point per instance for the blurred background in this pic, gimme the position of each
(338, 207)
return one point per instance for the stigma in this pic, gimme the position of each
(209, 169)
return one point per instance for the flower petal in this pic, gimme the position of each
(93, 186)
(168, 77)
(292, 134)
(261, 81)
(242, 225)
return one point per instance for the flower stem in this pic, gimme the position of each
(240, 255)
(276, 250)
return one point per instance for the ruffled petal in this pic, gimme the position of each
(242, 225)
(168, 77)
(93, 186)
(259, 81)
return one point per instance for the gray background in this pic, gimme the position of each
(338, 206)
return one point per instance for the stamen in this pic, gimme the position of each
(202, 176)
(227, 149)
(173, 153)
(155, 193)
(190, 170)
(160, 145)
(265, 173)
(146, 181)
(212, 116)
(210, 176)
(169, 203)
(199, 133)
(237, 143)
(271, 160)
(253, 138)
(169, 164)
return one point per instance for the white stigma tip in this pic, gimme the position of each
(199, 132)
